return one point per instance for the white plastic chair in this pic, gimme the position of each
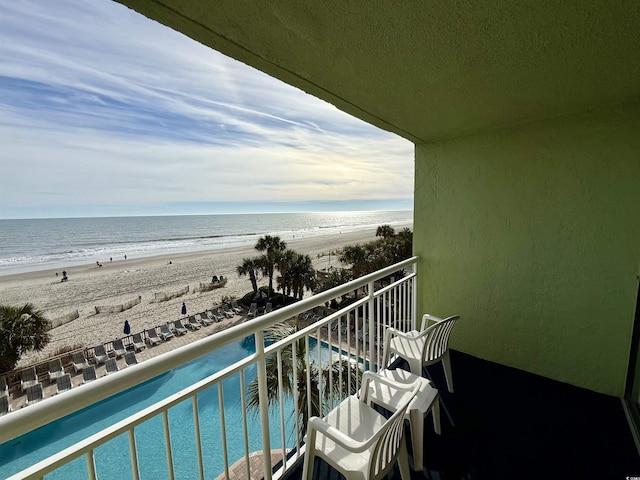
(420, 349)
(358, 441)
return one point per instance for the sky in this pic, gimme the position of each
(104, 112)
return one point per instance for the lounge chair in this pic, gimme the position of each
(28, 378)
(130, 359)
(193, 324)
(227, 311)
(118, 348)
(111, 365)
(100, 354)
(55, 369)
(79, 361)
(253, 310)
(5, 405)
(4, 388)
(89, 374)
(179, 328)
(165, 332)
(152, 337)
(268, 308)
(138, 342)
(63, 383)
(217, 315)
(207, 319)
(34, 394)
(235, 307)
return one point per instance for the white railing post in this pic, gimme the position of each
(370, 328)
(414, 296)
(264, 402)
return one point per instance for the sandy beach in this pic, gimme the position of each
(122, 281)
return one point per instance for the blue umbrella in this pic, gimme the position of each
(127, 327)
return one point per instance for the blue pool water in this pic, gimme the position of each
(112, 459)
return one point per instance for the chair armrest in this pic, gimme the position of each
(411, 335)
(378, 381)
(428, 317)
(345, 441)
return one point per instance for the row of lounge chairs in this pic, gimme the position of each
(30, 384)
(34, 390)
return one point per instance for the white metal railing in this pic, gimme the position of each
(341, 344)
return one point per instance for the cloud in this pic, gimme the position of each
(101, 106)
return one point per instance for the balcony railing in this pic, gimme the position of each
(327, 344)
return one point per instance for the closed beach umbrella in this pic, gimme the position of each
(127, 327)
(184, 308)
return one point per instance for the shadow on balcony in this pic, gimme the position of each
(503, 423)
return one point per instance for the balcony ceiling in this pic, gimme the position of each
(429, 70)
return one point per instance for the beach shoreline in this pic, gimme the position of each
(122, 281)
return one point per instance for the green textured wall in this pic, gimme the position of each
(532, 235)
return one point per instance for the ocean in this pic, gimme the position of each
(38, 244)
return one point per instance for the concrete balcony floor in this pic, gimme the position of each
(503, 423)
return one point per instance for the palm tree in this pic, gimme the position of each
(250, 267)
(340, 373)
(21, 329)
(302, 275)
(285, 261)
(385, 231)
(272, 246)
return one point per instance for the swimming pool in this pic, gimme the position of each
(112, 459)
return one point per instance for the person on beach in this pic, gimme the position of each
(127, 327)
(184, 308)
(64, 276)
(125, 257)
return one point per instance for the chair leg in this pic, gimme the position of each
(307, 467)
(403, 461)
(446, 364)
(435, 411)
(415, 366)
(416, 424)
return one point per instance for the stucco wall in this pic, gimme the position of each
(532, 235)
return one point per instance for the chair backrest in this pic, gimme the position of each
(111, 365)
(4, 405)
(137, 338)
(78, 357)
(35, 393)
(164, 328)
(118, 344)
(55, 365)
(28, 374)
(437, 339)
(4, 389)
(178, 325)
(152, 333)
(89, 373)
(130, 358)
(64, 382)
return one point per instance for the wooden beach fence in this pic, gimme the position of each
(119, 308)
(163, 296)
(69, 317)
